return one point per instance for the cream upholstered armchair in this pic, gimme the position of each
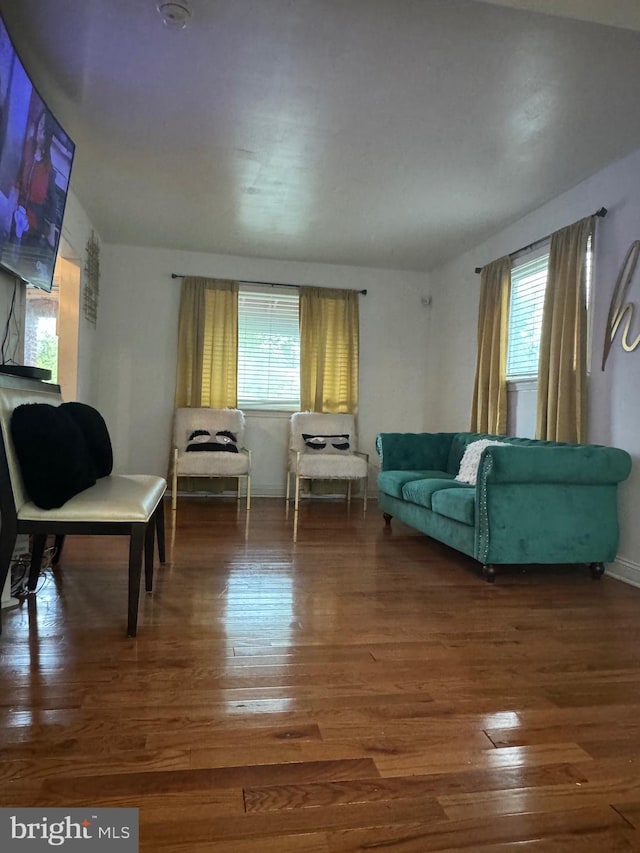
(209, 443)
(323, 446)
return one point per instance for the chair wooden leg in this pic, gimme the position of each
(136, 547)
(248, 492)
(288, 495)
(8, 536)
(160, 535)
(149, 549)
(366, 490)
(38, 542)
(348, 491)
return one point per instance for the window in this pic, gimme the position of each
(41, 329)
(528, 284)
(51, 327)
(268, 349)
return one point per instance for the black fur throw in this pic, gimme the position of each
(52, 453)
(201, 440)
(96, 435)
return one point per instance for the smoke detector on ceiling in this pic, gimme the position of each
(175, 14)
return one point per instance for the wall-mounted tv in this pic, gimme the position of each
(36, 156)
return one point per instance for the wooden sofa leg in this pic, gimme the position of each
(489, 571)
(387, 518)
(597, 570)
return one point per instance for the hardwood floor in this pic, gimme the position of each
(359, 690)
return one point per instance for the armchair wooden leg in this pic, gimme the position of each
(295, 509)
(348, 491)
(174, 488)
(366, 492)
(136, 547)
(248, 492)
(297, 495)
(288, 495)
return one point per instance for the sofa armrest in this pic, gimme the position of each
(585, 464)
(413, 451)
(548, 503)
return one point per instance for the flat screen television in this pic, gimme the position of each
(36, 156)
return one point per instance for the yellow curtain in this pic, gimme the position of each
(562, 370)
(207, 371)
(489, 409)
(329, 344)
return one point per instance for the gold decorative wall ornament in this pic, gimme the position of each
(618, 309)
(92, 279)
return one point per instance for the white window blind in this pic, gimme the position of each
(268, 349)
(528, 283)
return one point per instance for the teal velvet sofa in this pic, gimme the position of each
(534, 502)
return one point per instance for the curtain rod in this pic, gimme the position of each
(601, 213)
(265, 283)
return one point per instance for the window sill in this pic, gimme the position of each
(279, 414)
(525, 384)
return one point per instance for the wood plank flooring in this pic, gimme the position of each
(362, 689)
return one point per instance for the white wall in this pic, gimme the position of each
(614, 400)
(137, 341)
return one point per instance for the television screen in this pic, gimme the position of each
(35, 164)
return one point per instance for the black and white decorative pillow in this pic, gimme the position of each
(202, 440)
(326, 443)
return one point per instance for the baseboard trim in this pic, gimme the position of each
(260, 491)
(624, 570)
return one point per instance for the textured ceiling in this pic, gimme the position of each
(382, 133)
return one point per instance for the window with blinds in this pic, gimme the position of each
(528, 283)
(268, 348)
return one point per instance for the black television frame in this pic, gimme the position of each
(29, 255)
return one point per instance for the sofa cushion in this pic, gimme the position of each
(458, 504)
(421, 492)
(393, 482)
